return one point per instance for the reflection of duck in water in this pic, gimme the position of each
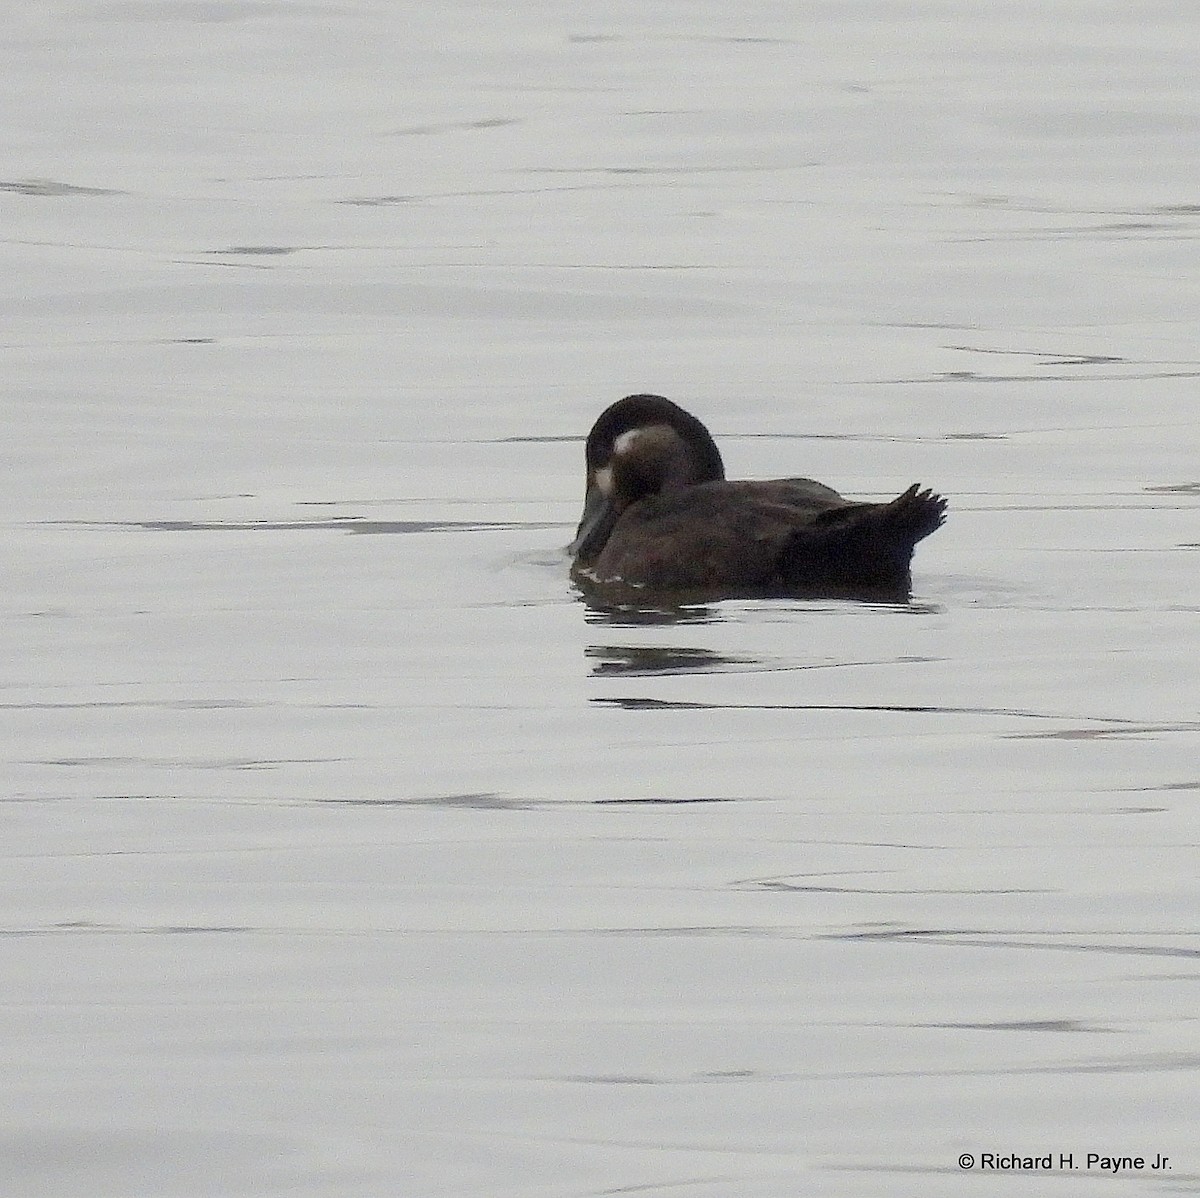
(660, 516)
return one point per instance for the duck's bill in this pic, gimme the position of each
(599, 516)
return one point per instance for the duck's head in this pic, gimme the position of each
(642, 445)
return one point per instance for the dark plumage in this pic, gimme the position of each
(660, 516)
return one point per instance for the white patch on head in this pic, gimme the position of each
(603, 480)
(625, 441)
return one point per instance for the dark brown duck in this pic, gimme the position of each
(659, 515)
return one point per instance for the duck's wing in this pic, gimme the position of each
(805, 491)
(719, 535)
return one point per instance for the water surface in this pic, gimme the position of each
(346, 849)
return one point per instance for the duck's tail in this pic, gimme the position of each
(864, 547)
(912, 516)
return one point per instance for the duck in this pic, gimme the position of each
(660, 518)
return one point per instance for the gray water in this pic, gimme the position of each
(345, 849)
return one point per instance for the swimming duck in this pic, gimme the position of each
(660, 516)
